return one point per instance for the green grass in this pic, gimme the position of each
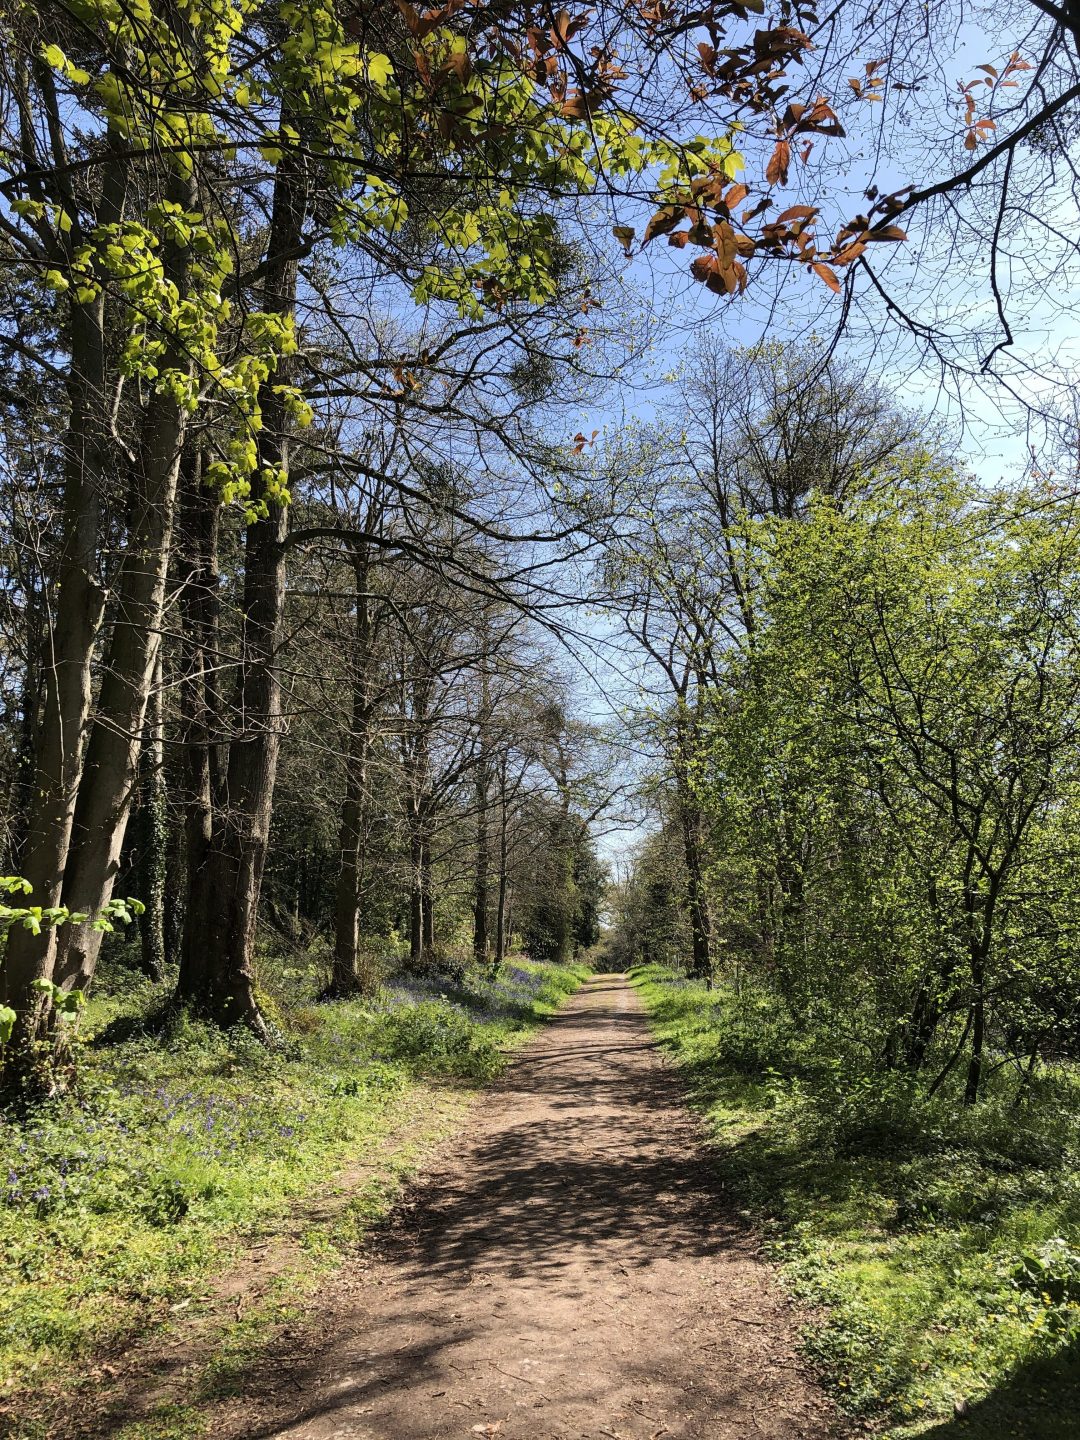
(939, 1248)
(119, 1202)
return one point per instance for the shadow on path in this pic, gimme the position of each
(568, 1270)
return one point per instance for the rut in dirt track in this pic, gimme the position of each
(569, 1270)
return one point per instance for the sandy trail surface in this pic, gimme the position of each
(569, 1268)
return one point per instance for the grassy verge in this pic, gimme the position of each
(182, 1144)
(941, 1248)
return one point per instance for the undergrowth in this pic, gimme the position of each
(117, 1202)
(939, 1247)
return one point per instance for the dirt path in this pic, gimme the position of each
(568, 1272)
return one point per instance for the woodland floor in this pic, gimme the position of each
(566, 1267)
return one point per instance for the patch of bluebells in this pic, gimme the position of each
(94, 1156)
(107, 1151)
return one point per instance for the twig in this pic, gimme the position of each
(523, 1378)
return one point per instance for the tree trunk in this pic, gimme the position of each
(501, 936)
(975, 1063)
(200, 709)
(481, 900)
(22, 799)
(230, 880)
(344, 974)
(502, 915)
(153, 836)
(696, 899)
(427, 896)
(980, 948)
(68, 649)
(110, 772)
(416, 897)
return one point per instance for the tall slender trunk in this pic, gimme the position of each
(344, 974)
(980, 920)
(109, 779)
(696, 898)
(153, 834)
(502, 917)
(200, 709)
(691, 826)
(501, 936)
(418, 774)
(77, 603)
(231, 879)
(416, 897)
(979, 954)
(481, 898)
(427, 890)
(22, 798)
(175, 875)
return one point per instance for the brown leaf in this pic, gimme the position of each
(625, 236)
(665, 219)
(829, 276)
(797, 212)
(777, 169)
(578, 105)
(726, 247)
(850, 253)
(460, 65)
(564, 29)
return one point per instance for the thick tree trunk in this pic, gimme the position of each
(68, 648)
(222, 917)
(175, 884)
(110, 772)
(225, 909)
